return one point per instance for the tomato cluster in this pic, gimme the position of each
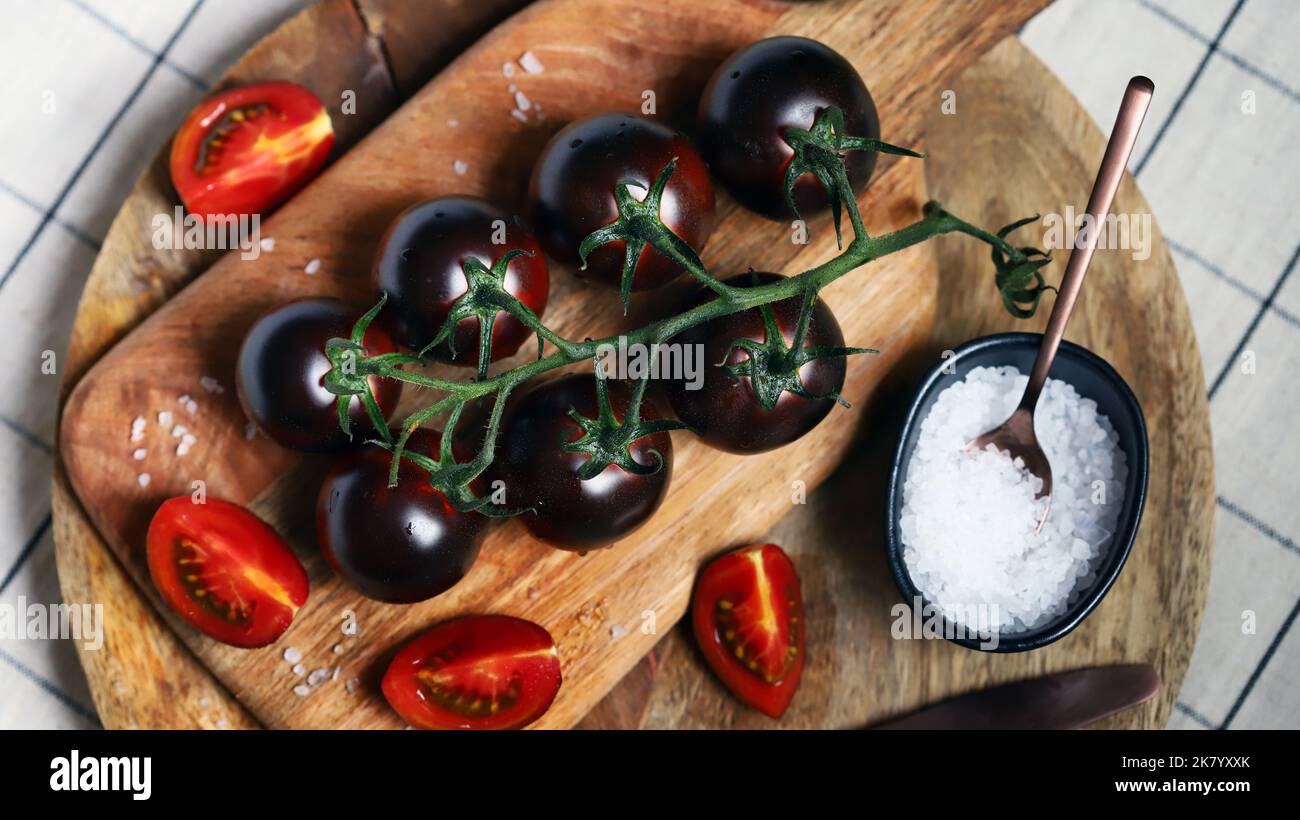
(588, 460)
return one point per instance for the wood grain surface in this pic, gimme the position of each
(144, 677)
(1038, 152)
(882, 30)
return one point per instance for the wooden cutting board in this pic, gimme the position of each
(1011, 114)
(134, 697)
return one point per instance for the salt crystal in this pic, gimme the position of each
(137, 435)
(460, 167)
(529, 62)
(299, 669)
(302, 690)
(508, 69)
(519, 115)
(165, 418)
(338, 649)
(211, 385)
(968, 520)
(335, 674)
(137, 423)
(268, 244)
(453, 122)
(317, 677)
(143, 479)
(311, 267)
(191, 406)
(139, 454)
(351, 684)
(521, 101)
(292, 655)
(179, 430)
(203, 703)
(617, 631)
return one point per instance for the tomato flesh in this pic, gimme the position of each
(747, 614)
(247, 149)
(224, 571)
(476, 672)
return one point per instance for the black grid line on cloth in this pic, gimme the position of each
(126, 35)
(1259, 667)
(1254, 323)
(49, 688)
(48, 216)
(1253, 521)
(73, 230)
(27, 435)
(1236, 59)
(1196, 716)
(1219, 273)
(26, 552)
(1187, 89)
(46, 219)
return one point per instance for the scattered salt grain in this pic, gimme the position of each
(179, 431)
(187, 441)
(292, 655)
(302, 690)
(617, 631)
(311, 267)
(143, 479)
(268, 244)
(533, 593)
(165, 418)
(519, 115)
(351, 685)
(299, 669)
(453, 122)
(460, 167)
(211, 385)
(203, 703)
(317, 677)
(139, 453)
(968, 520)
(521, 101)
(529, 63)
(512, 88)
(335, 674)
(338, 649)
(508, 69)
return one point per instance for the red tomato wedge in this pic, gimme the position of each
(476, 672)
(247, 149)
(747, 613)
(225, 571)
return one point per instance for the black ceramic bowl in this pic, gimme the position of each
(1094, 379)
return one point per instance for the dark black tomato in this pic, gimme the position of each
(571, 513)
(757, 94)
(419, 266)
(724, 410)
(402, 544)
(281, 373)
(572, 193)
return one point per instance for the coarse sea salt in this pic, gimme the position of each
(968, 519)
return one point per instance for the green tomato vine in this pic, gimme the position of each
(771, 367)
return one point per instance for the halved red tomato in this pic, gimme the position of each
(225, 571)
(476, 672)
(748, 618)
(247, 149)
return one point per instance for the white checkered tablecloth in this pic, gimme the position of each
(120, 74)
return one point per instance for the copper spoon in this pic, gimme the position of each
(1016, 435)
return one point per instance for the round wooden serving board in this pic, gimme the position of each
(1019, 144)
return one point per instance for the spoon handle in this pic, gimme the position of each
(1137, 97)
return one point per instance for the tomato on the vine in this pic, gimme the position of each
(755, 96)
(572, 193)
(396, 544)
(569, 512)
(224, 571)
(725, 410)
(249, 148)
(747, 615)
(476, 672)
(419, 266)
(281, 373)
